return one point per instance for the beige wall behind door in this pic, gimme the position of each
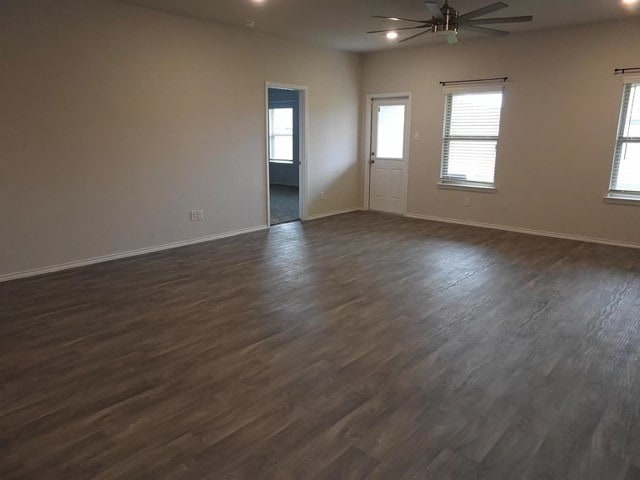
(116, 121)
(560, 113)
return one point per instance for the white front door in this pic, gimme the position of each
(388, 162)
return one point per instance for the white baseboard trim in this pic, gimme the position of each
(526, 231)
(331, 214)
(130, 253)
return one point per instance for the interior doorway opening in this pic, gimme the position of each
(284, 155)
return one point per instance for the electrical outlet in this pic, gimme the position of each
(467, 202)
(200, 214)
(194, 215)
(321, 195)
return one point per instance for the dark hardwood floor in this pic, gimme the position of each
(361, 346)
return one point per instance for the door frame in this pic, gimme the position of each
(367, 143)
(303, 122)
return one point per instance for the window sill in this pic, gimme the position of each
(467, 187)
(286, 162)
(622, 199)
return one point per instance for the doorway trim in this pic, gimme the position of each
(367, 142)
(303, 122)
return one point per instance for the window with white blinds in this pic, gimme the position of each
(625, 175)
(471, 130)
(281, 135)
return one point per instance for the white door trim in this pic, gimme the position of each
(367, 142)
(304, 149)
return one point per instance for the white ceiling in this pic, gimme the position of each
(342, 24)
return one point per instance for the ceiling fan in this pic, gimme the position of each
(446, 21)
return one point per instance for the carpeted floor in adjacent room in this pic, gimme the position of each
(284, 203)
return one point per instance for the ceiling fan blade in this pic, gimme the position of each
(402, 19)
(494, 7)
(490, 31)
(434, 10)
(489, 21)
(396, 29)
(414, 36)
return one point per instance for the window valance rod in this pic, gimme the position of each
(620, 71)
(480, 80)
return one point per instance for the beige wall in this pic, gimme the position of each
(559, 122)
(116, 121)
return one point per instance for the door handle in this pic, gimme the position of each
(372, 161)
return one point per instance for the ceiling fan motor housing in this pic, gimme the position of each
(449, 24)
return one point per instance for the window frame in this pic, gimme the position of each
(631, 197)
(449, 92)
(271, 136)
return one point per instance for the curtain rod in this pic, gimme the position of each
(458, 82)
(620, 71)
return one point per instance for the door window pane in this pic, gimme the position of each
(390, 132)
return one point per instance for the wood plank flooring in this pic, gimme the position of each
(361, 346)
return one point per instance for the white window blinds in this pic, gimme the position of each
(625, 175)
(281, 135)
(471, 130)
